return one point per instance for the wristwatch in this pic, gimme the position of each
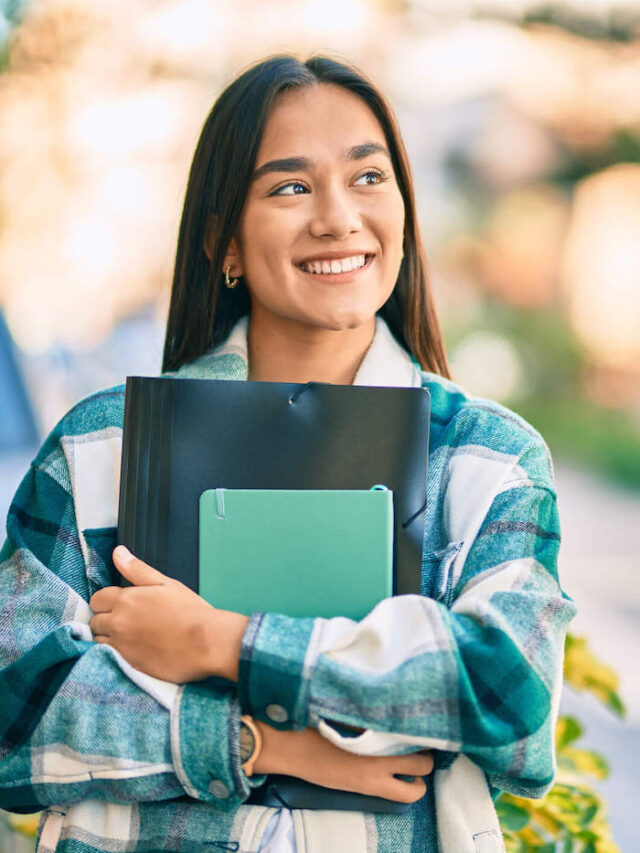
(250, 744)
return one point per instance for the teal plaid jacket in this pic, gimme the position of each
(123, 761)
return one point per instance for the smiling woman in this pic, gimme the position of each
(299, 252)
(141, 717)
(320, 175)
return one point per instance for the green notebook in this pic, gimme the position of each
(297, 552)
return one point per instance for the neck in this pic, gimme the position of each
(286, 351)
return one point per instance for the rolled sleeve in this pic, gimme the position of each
(205, 725)
(276, 660)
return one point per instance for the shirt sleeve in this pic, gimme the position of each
(477, 670)
(76, 721)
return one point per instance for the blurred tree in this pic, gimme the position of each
(616, 24)
(10, 16)
(553, 399)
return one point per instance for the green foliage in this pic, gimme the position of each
(584, 672)
(572, 817)
(607, 440)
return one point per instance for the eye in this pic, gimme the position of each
(380, 177)
(286, 186)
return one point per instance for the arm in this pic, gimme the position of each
(162, 628)
(76, 720)
(308, 755)
(480, 674)
(79, 720)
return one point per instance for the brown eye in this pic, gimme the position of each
(286, 186)
(379, 176)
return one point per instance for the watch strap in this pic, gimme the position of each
(247, 765)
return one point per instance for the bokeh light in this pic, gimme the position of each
(601, 272)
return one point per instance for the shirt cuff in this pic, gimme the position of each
(274, 669)
(205, 744)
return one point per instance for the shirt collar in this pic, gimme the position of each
(385, 364)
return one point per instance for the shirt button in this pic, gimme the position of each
(277, 713)
(218, 789)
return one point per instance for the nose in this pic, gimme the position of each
(334, 214)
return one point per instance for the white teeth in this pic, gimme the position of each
(335, 266)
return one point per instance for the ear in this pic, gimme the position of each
(232, 259)
(232, 256)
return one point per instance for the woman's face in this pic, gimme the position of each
(320, 236)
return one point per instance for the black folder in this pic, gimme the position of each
(184, 436)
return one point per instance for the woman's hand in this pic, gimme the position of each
(307, 755)
(163, 628)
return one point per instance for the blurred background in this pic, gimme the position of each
(522, 123)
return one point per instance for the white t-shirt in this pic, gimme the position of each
(279, 835)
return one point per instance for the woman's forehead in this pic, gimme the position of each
(324, 118)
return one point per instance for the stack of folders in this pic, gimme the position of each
(306, 500)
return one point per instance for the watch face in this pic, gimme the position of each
(247, 742)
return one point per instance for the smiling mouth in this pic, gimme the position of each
(342, 275)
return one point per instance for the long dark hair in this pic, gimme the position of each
(202, 310)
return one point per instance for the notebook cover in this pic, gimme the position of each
(301, 553)
(184, 436)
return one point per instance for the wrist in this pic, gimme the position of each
(279, 750)
(225, 638)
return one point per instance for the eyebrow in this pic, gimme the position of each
(299, 164)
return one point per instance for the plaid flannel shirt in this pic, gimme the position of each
(472, 667)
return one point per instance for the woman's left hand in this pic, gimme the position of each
(163, 628)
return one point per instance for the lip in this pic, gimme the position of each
(333, 256)
(337, 277)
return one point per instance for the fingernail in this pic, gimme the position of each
(123, 554)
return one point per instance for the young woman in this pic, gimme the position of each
(298, 259)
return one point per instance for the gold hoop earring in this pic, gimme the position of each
(231, 283)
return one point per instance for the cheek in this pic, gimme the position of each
(264, 240)
(396, 217)
(390, 226)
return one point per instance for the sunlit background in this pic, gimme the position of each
(522, 124)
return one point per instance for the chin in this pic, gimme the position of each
(343, 319)
(342, 323)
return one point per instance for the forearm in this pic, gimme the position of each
(411, 667)
(307, 755)
(104, 737)
(78, 721)
(461, 678)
